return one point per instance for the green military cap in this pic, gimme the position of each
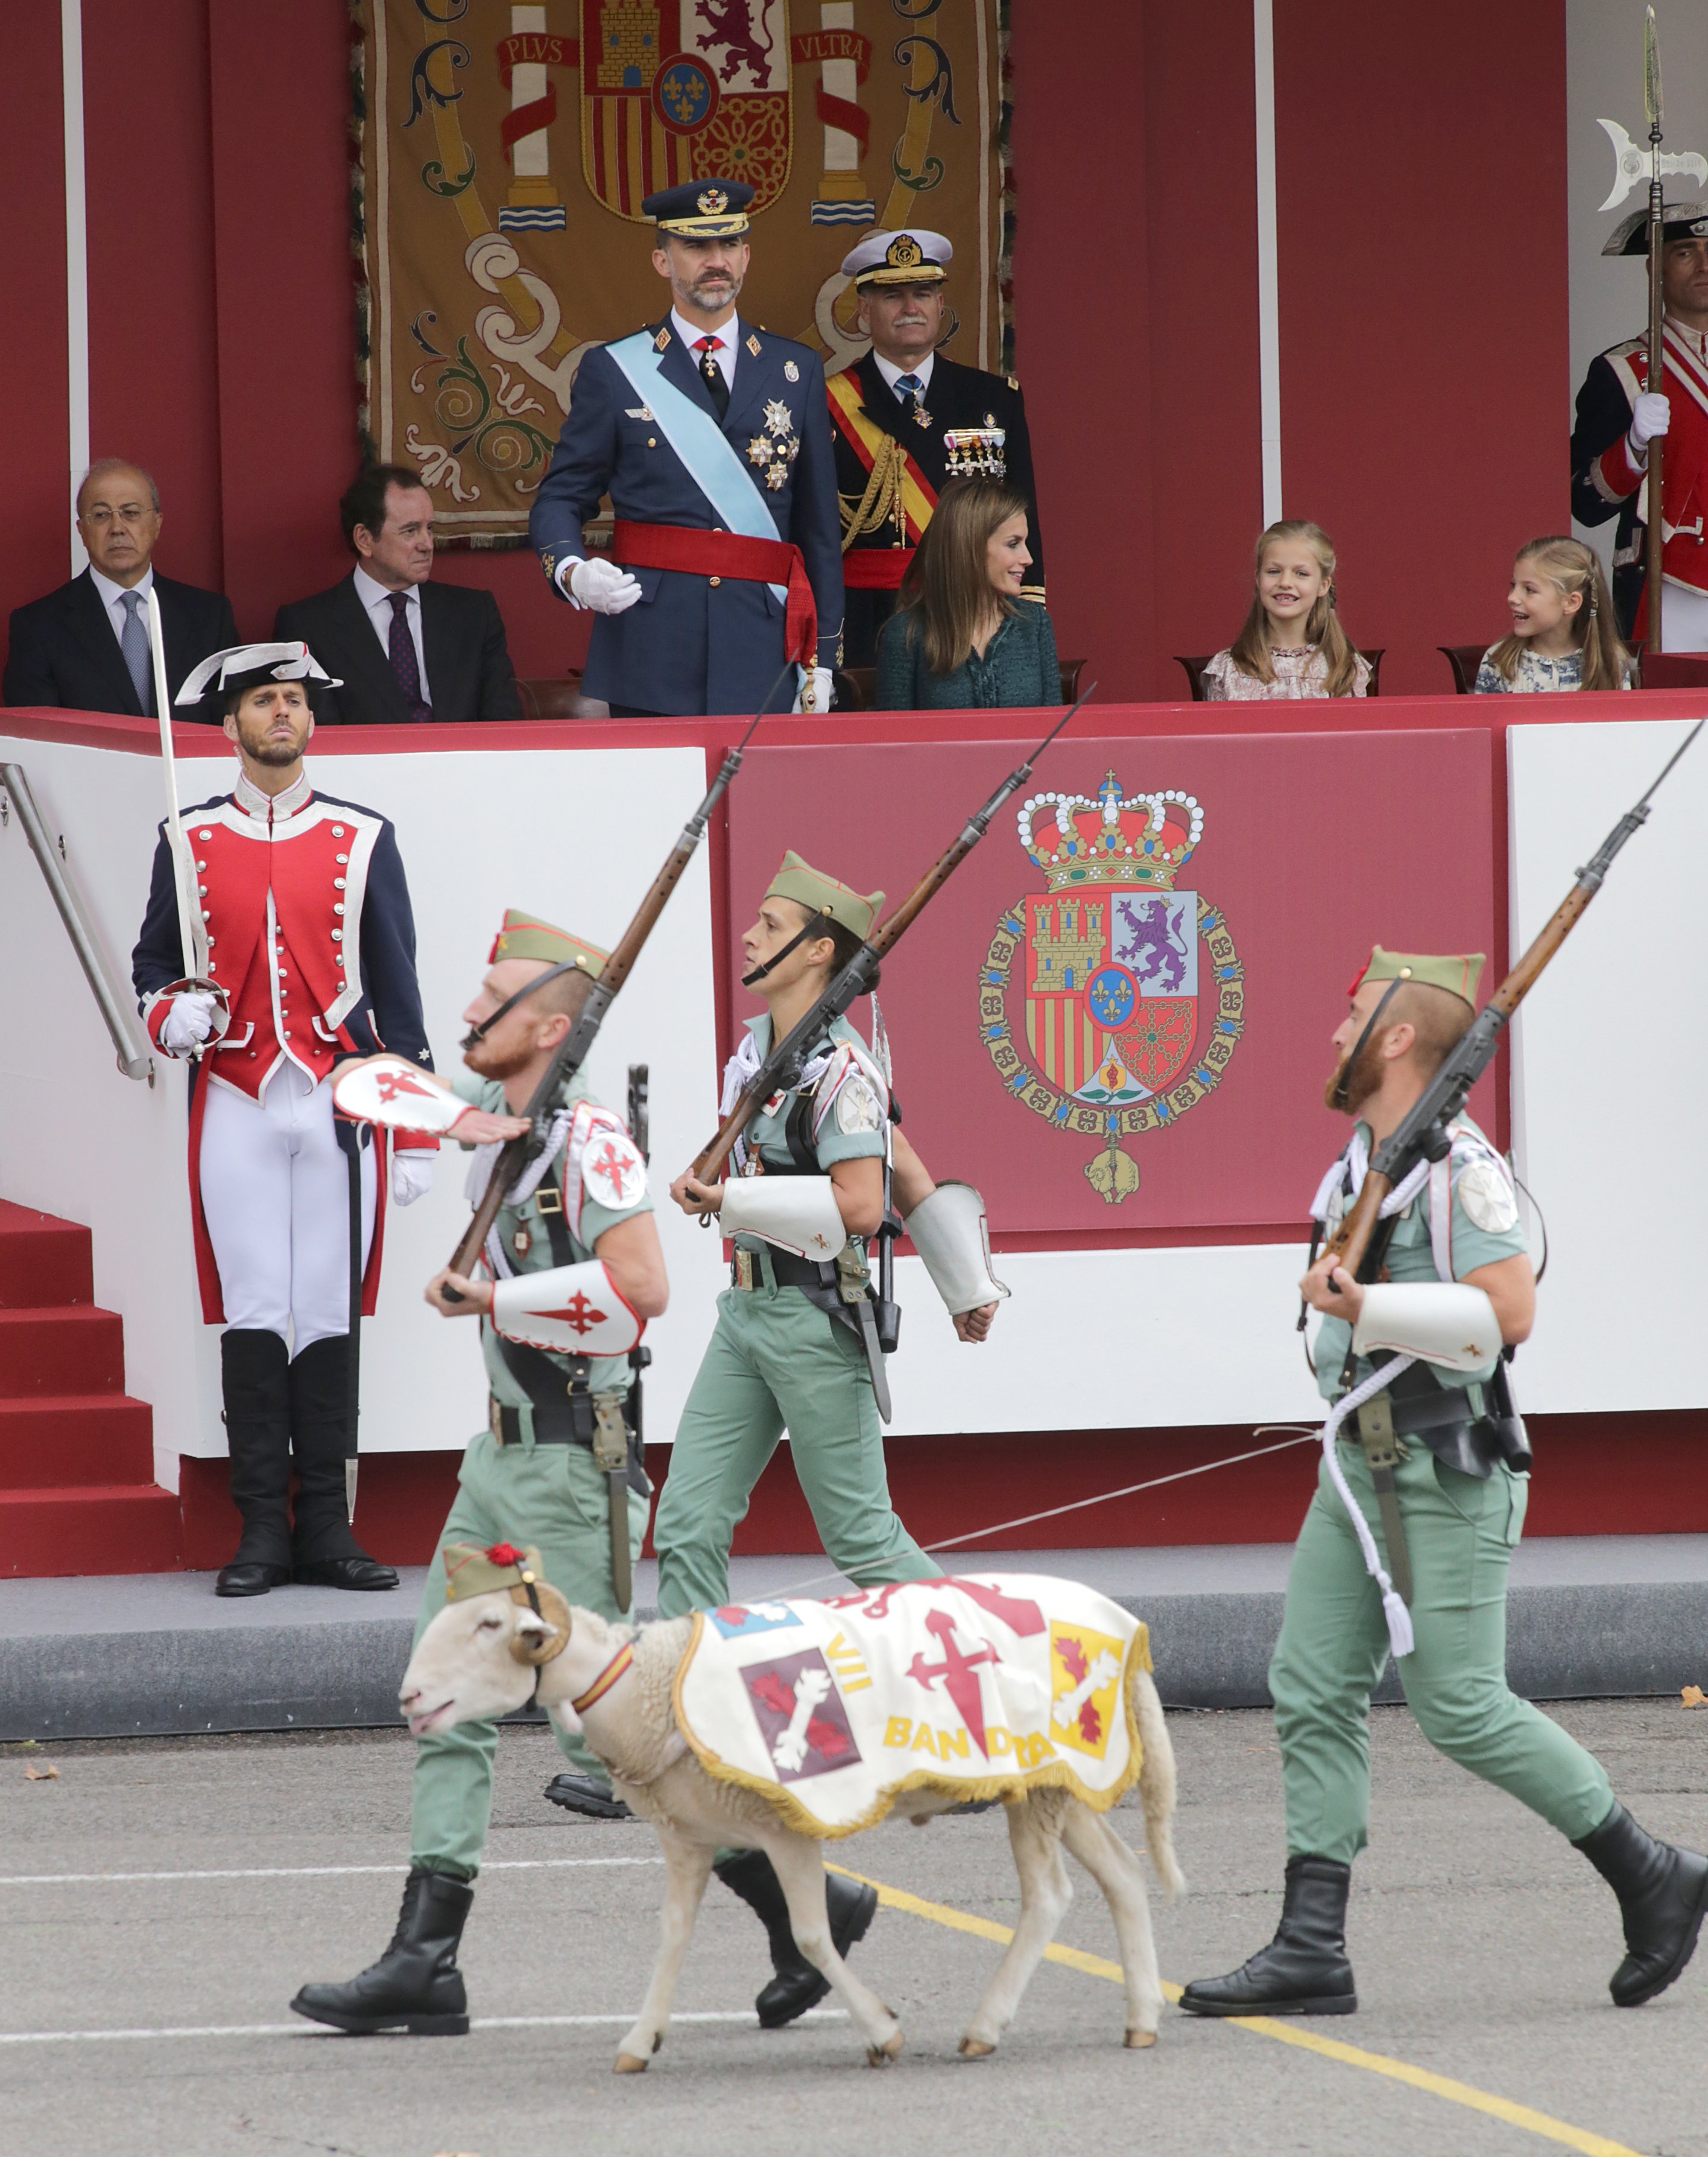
(469, 1570)
(819, 893)
(526, 936)
(1458, 973)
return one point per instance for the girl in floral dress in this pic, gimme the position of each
(1292, 645)
(1564, 635)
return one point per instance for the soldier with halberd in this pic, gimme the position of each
(304, 954)
(1619, 417)
(907, 420)
(572, 1273)
(1419, 1506)
(711, 435)
(796, 1343)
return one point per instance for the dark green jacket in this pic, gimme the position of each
(1019, 666)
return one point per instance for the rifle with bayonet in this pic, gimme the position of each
(1360, 1244)
(591, 999)
(1654, 380)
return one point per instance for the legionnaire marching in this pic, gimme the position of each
(907, 420)
(712, 436)
(797, 1339)
(573, 1272)
(305, 955)
(1438, 1475)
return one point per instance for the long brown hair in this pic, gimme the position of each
(1572, 567)
(1250, 649)
(947, 590)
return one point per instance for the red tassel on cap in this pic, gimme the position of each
(505, 1554)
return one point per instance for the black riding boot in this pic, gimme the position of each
(1304, 1970)
(1663, 1894)
(797, 1985)
(252, 1373)
(324, 1553)
(415, 1985)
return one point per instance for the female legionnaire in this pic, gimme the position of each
(810, 1189)
(305, 955)
(1433, 1483)
(574, 1271)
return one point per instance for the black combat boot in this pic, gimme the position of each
(415, 1985)
(324, 1553)
(797, 1985)
(581, 1793)
(1304, 1970)
(253, 1364)
(1663, 1894)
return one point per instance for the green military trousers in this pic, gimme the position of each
(551, 1497)
(776, 1360)
(1461, 1533)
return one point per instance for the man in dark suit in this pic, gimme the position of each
(84, 647)
(714, 439)
(404, 649)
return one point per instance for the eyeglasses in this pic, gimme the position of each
(100, 516)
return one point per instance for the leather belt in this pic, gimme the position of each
(747, 1270)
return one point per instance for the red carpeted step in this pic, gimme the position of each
(59, 1440)
(42, 1260)
(115, 1527)
(65, 1350)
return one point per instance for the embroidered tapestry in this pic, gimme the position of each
(503, 151)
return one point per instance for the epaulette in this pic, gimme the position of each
(1625, 351)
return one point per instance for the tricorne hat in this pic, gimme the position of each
(911, 256)
(1678, 221)
(526, 936)
(700, 210)
(243, 666)
(819, 893)
(1458, 973)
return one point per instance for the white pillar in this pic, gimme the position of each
(77, 261)
(842, 197)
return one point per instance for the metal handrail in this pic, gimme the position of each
(122, 1023)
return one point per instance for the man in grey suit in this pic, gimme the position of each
(404, 649)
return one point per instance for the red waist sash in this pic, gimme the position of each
(875, 568)
(728, 554)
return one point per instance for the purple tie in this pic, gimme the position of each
(401, 647)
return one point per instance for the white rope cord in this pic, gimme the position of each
(1399, 1619)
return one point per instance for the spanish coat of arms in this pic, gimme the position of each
(1111, 1002)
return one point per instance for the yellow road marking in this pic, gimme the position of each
(1267, 2025)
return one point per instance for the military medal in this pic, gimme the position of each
(791, 373)
(922, 418)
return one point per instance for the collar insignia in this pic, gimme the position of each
(752, 344)
(661, 341)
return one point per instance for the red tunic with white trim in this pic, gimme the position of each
(1608, 482)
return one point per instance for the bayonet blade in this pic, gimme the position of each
(1651, 73)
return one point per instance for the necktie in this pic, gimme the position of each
(406, 668)
(911, 390)
(706, 347)
(133, 643)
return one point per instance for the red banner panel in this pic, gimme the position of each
(1115, 1018)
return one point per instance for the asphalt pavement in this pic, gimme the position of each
(163, 1898)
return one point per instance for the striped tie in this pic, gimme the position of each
(133, 643)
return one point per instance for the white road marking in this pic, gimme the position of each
(312, 2030)
(303, 1872)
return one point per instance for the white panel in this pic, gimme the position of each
(1269, 259)
(76, 263)
(1608, 1126)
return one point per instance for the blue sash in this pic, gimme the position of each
(698, 441)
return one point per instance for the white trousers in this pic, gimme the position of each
(275, 1192)
(1684, 619)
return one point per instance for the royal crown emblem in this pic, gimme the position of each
(1089, 997)
(904, 253)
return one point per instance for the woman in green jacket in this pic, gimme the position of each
(962, 638)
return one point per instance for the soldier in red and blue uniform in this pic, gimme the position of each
(304, 954)
(713, 437)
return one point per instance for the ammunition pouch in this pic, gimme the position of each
(1444, 1419)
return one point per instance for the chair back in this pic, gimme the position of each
(855, 685)
(1195, 672)
(558, 699)
(1674, 670)
(1464, 659)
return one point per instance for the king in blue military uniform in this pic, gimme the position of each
(712, 438)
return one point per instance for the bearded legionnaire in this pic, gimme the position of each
(908, 420)
(710, 434)
(798, 1341)
(572, 1273)
(1437, 1473)
(1617, 418)
(305, 957)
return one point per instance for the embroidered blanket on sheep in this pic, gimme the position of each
(981, 1687)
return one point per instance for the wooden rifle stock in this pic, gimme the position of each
(1359, 1242)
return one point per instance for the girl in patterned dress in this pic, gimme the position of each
(1564, 633)
(1292, 645)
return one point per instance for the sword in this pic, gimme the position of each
(182, 868)
(350, 1138)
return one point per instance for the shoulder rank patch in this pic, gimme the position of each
(791, 373)
(752, 344)
(1014, 382)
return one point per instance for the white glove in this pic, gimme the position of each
(411, 1176)
(817, 679)
(1651, 415)
(189, 1022)
(600, 586)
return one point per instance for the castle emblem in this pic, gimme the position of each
(1112, 1000)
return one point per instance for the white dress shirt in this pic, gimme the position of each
(377, 599)
(727, 333)
(112, 598)
(892, 375)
